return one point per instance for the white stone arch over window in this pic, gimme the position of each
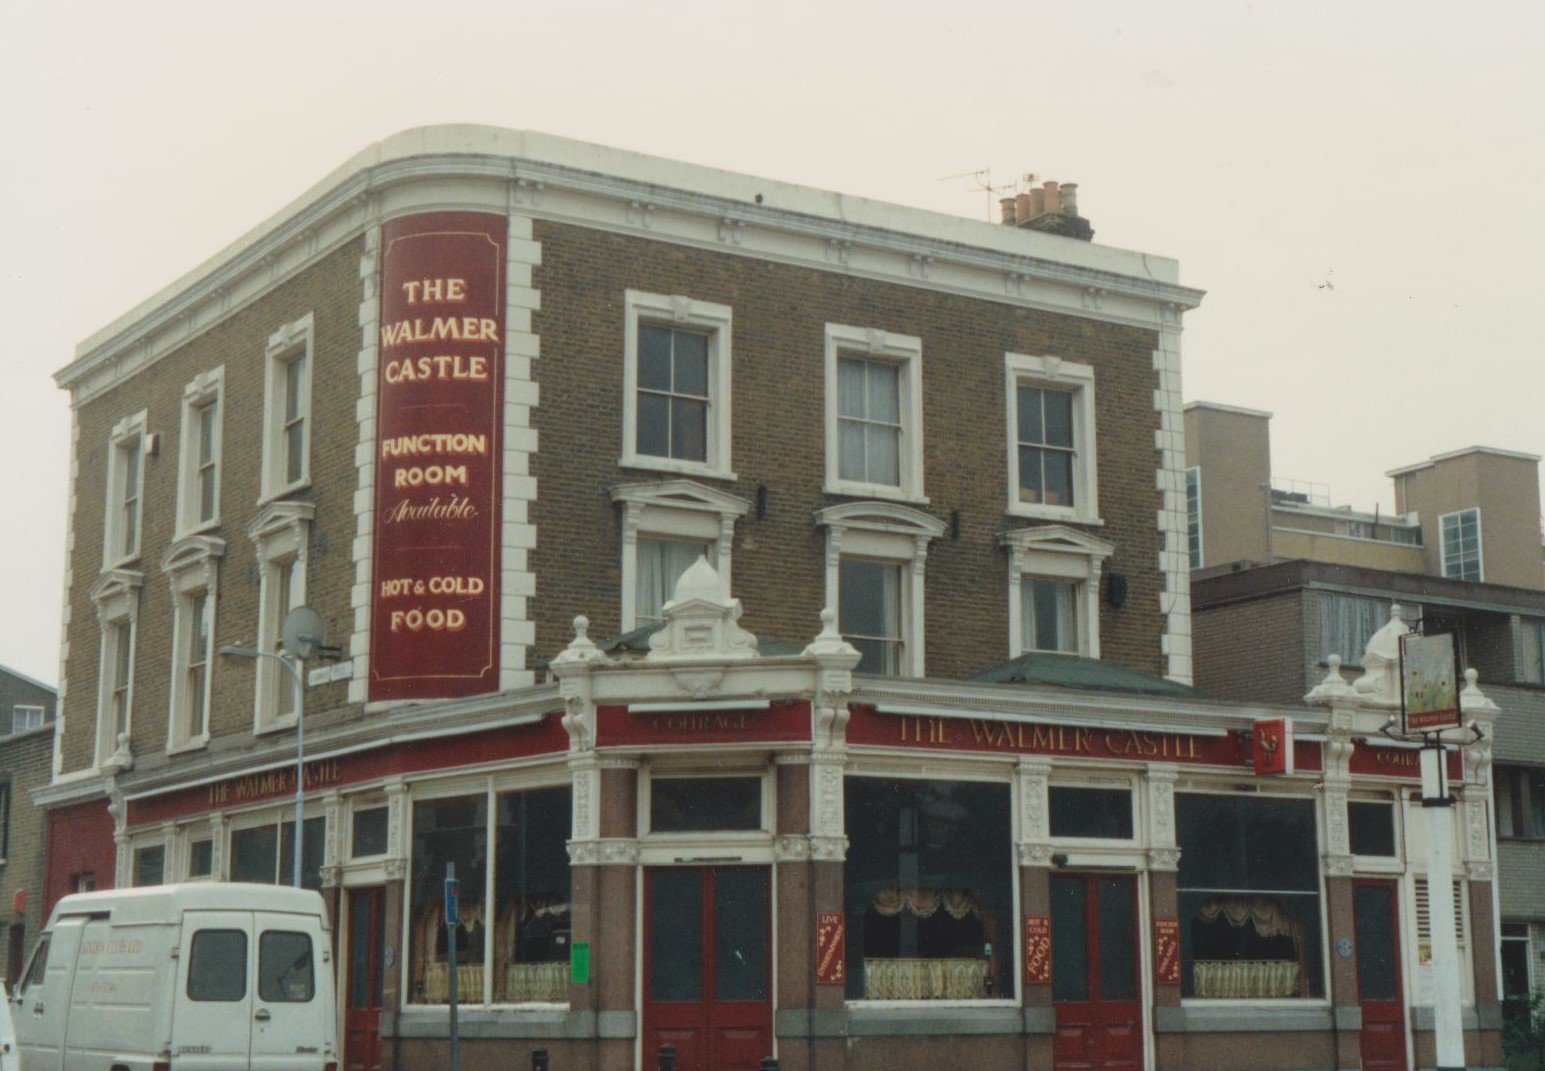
(1061, 553)
(116, 596)
(281, 535)
(889, 532)
(192, 565)
(679, 510)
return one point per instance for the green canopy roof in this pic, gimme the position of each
(1071, 671)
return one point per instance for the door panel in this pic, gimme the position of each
(1377, 932)
(1095, 974)
(291, 1018)
(707, 967)
(363, 987)
(212, 1017)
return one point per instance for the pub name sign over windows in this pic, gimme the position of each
(439, 414)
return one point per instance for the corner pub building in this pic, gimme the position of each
(773, 603)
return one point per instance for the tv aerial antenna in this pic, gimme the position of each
(982, 180)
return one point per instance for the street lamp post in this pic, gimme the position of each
(300, 736)
(301, 637)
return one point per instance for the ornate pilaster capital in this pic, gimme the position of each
(792, 848)
(614, 851)
(828, 849)
(1035, 853)
(332, 877)
(1479, 871)
(395, 868)
(1163, 858)
(1338, 865)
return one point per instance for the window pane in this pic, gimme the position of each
(689, 433)
(740, 931)
(654, 358)
(1372, 828)
(654, 429)
(928, 890)
(369, 832)
(255, 854)
(1118, 940)
(1050, 615)
(1059, 418)
(445, 831)
(691, 364)
(531, 896)
(851, 460)
(200, 858)
(883, 392)
(869, 601)
(1069, 940)
(285, 968)
(1091, 812)
(1032, 483)
(1030, 424)
(850, 388)
(1059, 477)
(699, 804)
(675, 935)
(883, 455)
(217, 968)
(295, 452)
(149, 865)
(310, 853)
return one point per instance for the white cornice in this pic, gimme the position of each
(490, 169)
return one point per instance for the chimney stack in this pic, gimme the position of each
(1051, 208)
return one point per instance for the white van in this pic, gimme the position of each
(201, 977)
(10, 1059)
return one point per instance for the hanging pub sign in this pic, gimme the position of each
(1429, 682)
(434, 585)
(1271, 746)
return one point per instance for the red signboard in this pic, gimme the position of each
(830, 948)
(1038, 949)
(1383, 760)
(1166, 951)
(869, 726)
(434, 589)
(1271, 746)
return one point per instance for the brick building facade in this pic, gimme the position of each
(772, 604)
(26, 763)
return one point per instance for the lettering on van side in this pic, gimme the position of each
(186, 1050)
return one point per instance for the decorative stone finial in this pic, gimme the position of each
(830, 642)
(1333, 686)
(581, 648)
(1472, 698)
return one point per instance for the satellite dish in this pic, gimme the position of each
(302, 632)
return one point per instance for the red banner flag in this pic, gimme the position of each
(1038, 949)
(1271, 746)
(1166, 951)
(830, 948)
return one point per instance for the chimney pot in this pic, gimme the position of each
(1070, 198)
(1023, 207)
(1006, 204)
(1035, 204)
(1053, 199)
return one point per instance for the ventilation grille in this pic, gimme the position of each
(1424, 914)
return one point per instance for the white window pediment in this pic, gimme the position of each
(280, 521)
(191, 562)
(883, 532)
(1059, 553)
(116, 594)
(674, 510)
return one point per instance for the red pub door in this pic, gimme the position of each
(707, 973)
(362, 1010)
(1376, 929)
(1094, 982)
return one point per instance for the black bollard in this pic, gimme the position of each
(769, 1063)
(667, 1058)
(538, 1060)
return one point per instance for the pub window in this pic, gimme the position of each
(1098, 813)
(369, 832)
(1371, 824)
(150, 865)
(201, 858)
(517, 952)
(266, 853)
(704, 804)
(1249, 899)
(929, 895)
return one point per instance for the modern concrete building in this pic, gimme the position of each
(771, 604)
(1279, 572)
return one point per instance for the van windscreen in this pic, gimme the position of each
(218, 967)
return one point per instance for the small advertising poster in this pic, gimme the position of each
(1166, 951)
(1429, 682)
(1038, 949)
(830, 948)
(434, 586)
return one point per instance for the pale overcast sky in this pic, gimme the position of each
(1357, 184)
